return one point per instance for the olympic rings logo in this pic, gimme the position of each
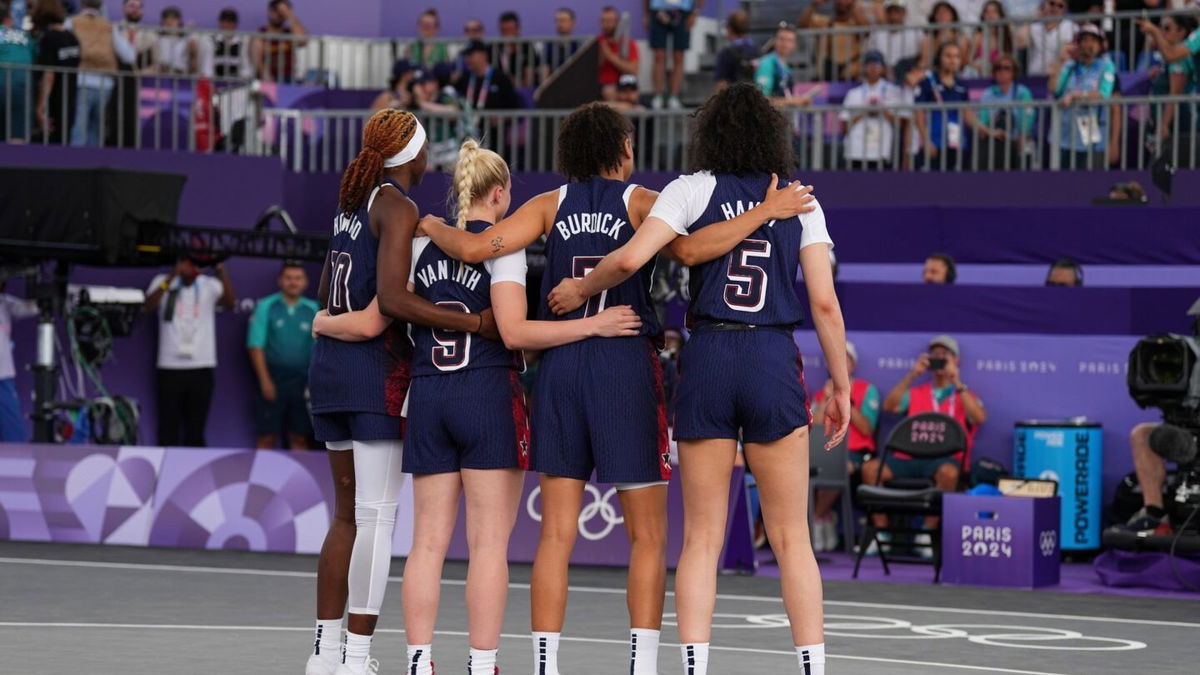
(600, 506)
(1048, 541)
(883, 628)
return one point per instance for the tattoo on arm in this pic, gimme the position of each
(497, 244)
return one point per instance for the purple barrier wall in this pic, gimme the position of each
(1018, 377)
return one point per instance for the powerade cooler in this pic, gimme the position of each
(1071, 453)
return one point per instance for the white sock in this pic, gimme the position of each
(357, 649)
(695, 658)
(420, 660)
(328, 642)
(481, 661)
(643, 651)
(812, 659)
(545, 653)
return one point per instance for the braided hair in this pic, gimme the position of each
(384, 135)
(478, 170)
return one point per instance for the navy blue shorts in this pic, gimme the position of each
(356, 426)
(598, 405)
(675, 28)
(472, 419)
(746, 384)
(287, 413)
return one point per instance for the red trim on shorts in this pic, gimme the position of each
(663, 445)
(399, 375)
(803, 384)
(520, 420)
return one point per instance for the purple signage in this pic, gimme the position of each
(1000, 541)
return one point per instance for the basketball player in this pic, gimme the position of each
(598, 404)
(741, 374)
(358, 389)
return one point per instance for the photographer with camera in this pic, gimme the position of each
(945, 392)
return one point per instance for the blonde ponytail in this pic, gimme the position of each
(478, 171)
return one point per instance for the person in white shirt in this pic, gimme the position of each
(1047, 40)
(176, 53)
(868, 119)
(185, 303)
(900, 45)
(12, 422)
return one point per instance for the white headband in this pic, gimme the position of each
(410, 151)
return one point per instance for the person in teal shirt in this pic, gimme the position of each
(16, 56)
(1004, 130)
(280, 343)
(1178, 77)
(774, 76)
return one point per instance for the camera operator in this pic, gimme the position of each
(1151, 468)
(945, 392)
(185, 302)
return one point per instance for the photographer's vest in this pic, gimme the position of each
(859, 442)
(921, 400)
(95, 36)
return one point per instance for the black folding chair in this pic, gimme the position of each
(924, 436)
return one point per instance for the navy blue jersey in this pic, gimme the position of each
(445, 281)
(593, 221)
(370, 376)
(755, 283)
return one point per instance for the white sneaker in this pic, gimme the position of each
(820, 535)
(831, 532)
(656, 103)
(323, 664)
(369, 667)
(922, 544)
(674, 103)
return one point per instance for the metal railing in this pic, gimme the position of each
(835, 54)
(993, 136)
(348, 62)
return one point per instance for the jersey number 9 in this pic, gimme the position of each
(453, 348)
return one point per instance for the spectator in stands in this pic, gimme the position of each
(837, 55)
(941, 32)
(556, 52)
(868, 122)
(1178, 77)
(185, 302)
(1090, 76)
(483, 87)
(1003, 131)
(425, 94)
(990, 42)
(519, 59)
(628, 97)
(176, 52)
(1050, 40)
(899, 44)
(425, 52)
(1151, 469)
(12, 422)
(618, 55)
(280, 341)
(670, 20)
(230, 52)
(737, 61)
(939, 269)
(1065, 272)
(945, 393)
(774, 74)
(275, 58)
(397, 94)
(58, 48)
(473, 29)
(860, 446)
(16, 57)
(942, 131)
(143, 41)
(101, 47)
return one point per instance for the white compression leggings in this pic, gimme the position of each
(377, 483)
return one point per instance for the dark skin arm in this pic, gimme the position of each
(394, 217)
(228, 298)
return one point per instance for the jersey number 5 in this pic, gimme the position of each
(581, 266)
(453, 348)
(339, 282)
(747, 290)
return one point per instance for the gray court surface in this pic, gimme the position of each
(99, 610)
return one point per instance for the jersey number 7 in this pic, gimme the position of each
(581, 266)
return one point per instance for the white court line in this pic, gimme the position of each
(590, 589)
(523, 638)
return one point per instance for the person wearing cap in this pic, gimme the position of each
(867, 119)
(229, 54)
(425, 94)
(864, 418)
(397, 94)
(482, 86)
(618, 55)
(1079, 85)
(900, 44)
(627, 94)
(945, 392)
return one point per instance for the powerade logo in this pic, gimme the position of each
(1081, 522)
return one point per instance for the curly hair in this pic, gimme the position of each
(384, 135)
(478, 171)
(739, 132)
(591, 140)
